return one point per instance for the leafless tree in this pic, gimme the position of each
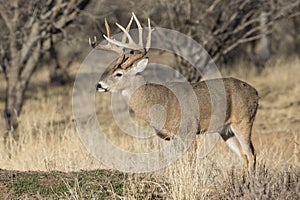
(27, 25)
(221, 26)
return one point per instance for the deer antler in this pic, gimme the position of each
(120, 46)
(108, 46)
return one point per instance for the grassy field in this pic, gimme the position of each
(48, 160)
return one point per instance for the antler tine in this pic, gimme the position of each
(93, 43)
(119, 46)
(130, 45)
(148, 43)
(107, 28)
(109, 47)
(140, 30)
(127, 29)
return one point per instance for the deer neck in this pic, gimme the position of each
(136, 82)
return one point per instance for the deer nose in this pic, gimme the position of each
(98, 86)
(101, 87)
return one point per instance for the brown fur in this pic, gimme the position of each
(227, 106)
(241, 106)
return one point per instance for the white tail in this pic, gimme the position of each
(122, 76)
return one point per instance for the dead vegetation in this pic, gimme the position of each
(48, 142)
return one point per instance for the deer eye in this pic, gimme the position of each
(118, 74)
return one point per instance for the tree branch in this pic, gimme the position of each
(33, 38)
(6, 18)
(31, 63)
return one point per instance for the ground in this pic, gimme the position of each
(47, 159)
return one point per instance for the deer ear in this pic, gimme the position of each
(139, 66)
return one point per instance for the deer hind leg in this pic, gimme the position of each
(164, 134)
(242, 131)
(232, 142)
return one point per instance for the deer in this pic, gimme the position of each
(124, 76)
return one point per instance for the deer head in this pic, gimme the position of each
(119, 76)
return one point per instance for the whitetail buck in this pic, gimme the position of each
(123, 76)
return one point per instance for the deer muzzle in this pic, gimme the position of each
(101, 87)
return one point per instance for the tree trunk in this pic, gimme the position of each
(57, 75)
(265, 43)
(14, 102)
(21, 44)
(17, 77)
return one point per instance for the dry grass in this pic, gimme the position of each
(48, 141)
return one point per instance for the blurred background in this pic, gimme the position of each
(52, 35)
(44, 42)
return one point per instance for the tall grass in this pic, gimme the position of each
(47, 140)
